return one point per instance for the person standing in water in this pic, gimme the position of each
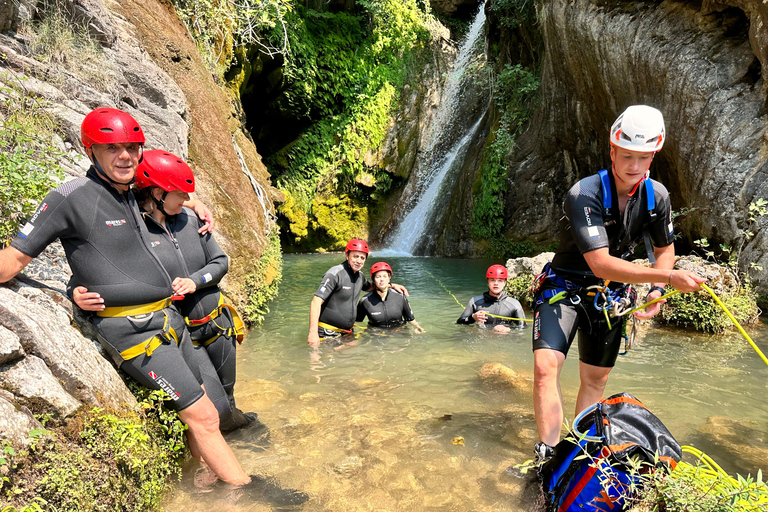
(333, 309)
(494, 309)
(385, 307)
(605, 216)
(196, 264)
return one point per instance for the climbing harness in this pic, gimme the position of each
(140, 309)
(605, 181)
(487, 313)
(237, 330)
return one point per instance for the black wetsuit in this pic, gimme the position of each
(503, 305)
(393, 311)
(339, 291)
(585, 227)
(185, 253)
(107, 248)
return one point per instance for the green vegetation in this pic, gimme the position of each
(513, 13)
(341, 80)
(221, 26)
(29, 157)
(261, 285)
(520, 289)
(515, 93)
(101, 461)
(343, 74)
(700, 311)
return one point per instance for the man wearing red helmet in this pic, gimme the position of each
(494, 308)
(108, 250)
(606, 216)
(333, 309)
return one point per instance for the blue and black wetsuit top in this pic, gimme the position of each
(586, 225)
(339, 291)
(392, 311)
(503, 305)
(104, 237)
(186, 253)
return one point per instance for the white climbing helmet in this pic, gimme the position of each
(639, 128)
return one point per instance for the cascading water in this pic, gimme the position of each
(438, 162)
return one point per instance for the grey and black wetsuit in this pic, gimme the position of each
(503, 305)
(392, 311)
(584, 227)
(185, 253)
(339, 290)
(107, 248)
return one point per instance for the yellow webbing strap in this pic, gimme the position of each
(334, 329)
(149, 346)
(134, 310)
(508, 317)
(237, 330)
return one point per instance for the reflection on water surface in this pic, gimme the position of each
(374, 426)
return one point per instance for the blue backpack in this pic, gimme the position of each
(591, 471)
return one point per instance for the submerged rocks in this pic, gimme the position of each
(499, 374)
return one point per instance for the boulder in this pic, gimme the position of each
(529, 267)
(34, 384)
(15, 421)
(10, 348)
(45, 331)
(499, 374)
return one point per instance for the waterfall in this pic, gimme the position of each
(448, 140)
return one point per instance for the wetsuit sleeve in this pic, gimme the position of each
(216, 264)
(360, 310)
(327, 286)
(407, 311)
(51, 220)
(584, 209)
(466, 316)
(661, 229)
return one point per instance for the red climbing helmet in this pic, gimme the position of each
(357, 244)
(382, 265)
(162, 169)
(110, 126)
(496, 272)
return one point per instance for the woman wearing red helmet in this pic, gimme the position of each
(385, 308)
(494, 308)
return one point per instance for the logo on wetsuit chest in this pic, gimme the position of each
(374, 313)
(346, 287)
(154, 243)
(113, 223)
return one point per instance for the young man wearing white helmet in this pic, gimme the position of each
(605, 216)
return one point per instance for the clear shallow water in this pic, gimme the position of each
(372, 427)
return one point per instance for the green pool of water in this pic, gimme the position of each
(375, 426)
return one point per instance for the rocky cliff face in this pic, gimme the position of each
(702, 65)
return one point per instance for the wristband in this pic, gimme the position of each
(655, 289)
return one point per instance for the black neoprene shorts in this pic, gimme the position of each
(174, 368)
(555, 326)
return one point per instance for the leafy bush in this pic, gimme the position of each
(29, 159)
(104, 461)
(519, 288)
(700, 311)
(262, 284)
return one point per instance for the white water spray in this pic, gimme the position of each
(433, 170)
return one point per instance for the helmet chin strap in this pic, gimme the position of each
(161, 202)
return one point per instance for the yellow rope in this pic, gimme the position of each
(462, 305)
(719, 303)
(735, 322)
